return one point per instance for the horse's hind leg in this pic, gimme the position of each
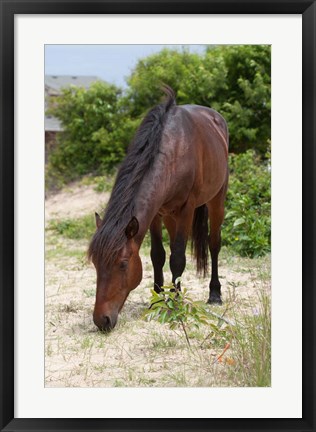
(216, 217)
(157, 252)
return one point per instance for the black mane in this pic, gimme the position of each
(110, 237)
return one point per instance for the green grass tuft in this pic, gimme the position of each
(76, 229)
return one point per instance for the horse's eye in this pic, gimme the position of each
(123, 265)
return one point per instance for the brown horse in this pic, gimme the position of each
(175, 172)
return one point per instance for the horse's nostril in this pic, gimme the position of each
(102, 322)
(106, 322)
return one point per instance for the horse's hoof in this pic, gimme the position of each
(215, 299)
(157, 289)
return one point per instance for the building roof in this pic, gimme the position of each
(57, 82)
(52, 124)
(53, 86)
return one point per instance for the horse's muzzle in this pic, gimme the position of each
(104, 322)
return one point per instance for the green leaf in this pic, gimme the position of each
(239, 222)
(163, 317)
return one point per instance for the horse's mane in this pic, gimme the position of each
(110, 237)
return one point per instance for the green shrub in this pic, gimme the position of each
(96, 132)
(247, 224)
(104, 184)
(177, 309)
(79, 228)
(233, 79)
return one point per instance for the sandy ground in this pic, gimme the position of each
(137, 353)
(74, 201)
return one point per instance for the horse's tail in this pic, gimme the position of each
(171, 96)
(200, 239)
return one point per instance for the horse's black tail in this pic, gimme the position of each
(200, 239)
(171, 96)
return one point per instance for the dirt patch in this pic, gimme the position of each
(137, 353)
(75, 201)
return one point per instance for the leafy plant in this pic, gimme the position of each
(233, 79)
(96, 131)
(177, 309)
(247, 224)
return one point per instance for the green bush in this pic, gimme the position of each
(233, 79)
(169, 66)
(96, 132)
(177, 309)
(245, 100)
(247, 224)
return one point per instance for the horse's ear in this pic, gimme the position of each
(98, 220)
(132, 228)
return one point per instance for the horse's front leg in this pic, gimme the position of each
(179, 242)
(178, 259)
(157, 252)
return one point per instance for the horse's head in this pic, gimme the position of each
(117, 279)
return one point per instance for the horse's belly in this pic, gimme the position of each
(207, 196)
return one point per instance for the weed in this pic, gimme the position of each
(87, 342)
(89, 292)
(104, 184)
(178, 310)
(80, 228)
(252, 345)
(49, 350)
(161, 341)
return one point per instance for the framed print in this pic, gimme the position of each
(58, 371)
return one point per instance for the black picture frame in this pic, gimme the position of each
(8, 9)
